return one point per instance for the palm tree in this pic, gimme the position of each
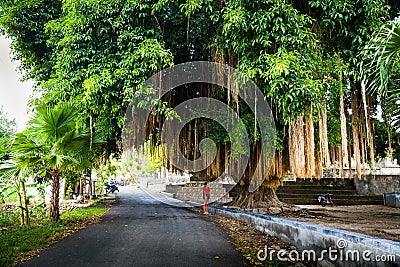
(379, 66)
(49, 145)
(61, 144)
(25, 155)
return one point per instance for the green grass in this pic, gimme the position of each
(18, 243)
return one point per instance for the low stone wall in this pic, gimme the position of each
(194, 192)
(377, 184)
(173, 189)
(350, 249)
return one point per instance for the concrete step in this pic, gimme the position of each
(374, 200)
(306, 191)
(353, 197)
(291, 191)
(313, 195)
(314, 187)
(324, 181)
(343, 191)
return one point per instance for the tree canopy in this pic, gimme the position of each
(305, 56)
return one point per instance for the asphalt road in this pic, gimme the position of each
(141, 231)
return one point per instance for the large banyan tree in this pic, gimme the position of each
(269, 42)
(302, 55)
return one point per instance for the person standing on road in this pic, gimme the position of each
(206, 197)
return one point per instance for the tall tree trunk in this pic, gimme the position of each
(296, 147)
(355, 128)
(55, 196)
(333, 154)
(343, 154)
(349, 160)
(343, 130)
(309, 148)
(363, 153)
(323, 137)
(370, 137)
(368, 125)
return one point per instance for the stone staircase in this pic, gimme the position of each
(194, 192)
(306, 192)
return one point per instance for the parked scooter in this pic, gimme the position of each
(111, 187)
(326, 200)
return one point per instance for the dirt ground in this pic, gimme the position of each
(373, 220)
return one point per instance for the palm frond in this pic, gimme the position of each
(8, 171)
(49, 124)
(378, 55)
(23, 145)
(52, 142)
(379, 59)
(13, 172)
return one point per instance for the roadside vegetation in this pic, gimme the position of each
(18, 243)
(33, 164)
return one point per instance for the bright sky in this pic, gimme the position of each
(14, 94)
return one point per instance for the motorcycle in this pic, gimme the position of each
(326, 200)
(111, 187)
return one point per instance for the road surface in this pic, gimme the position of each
(141, 231)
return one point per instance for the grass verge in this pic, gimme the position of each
(19, 243)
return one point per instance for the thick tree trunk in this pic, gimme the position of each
(263, 197)
(55, 197)
(296, 148)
